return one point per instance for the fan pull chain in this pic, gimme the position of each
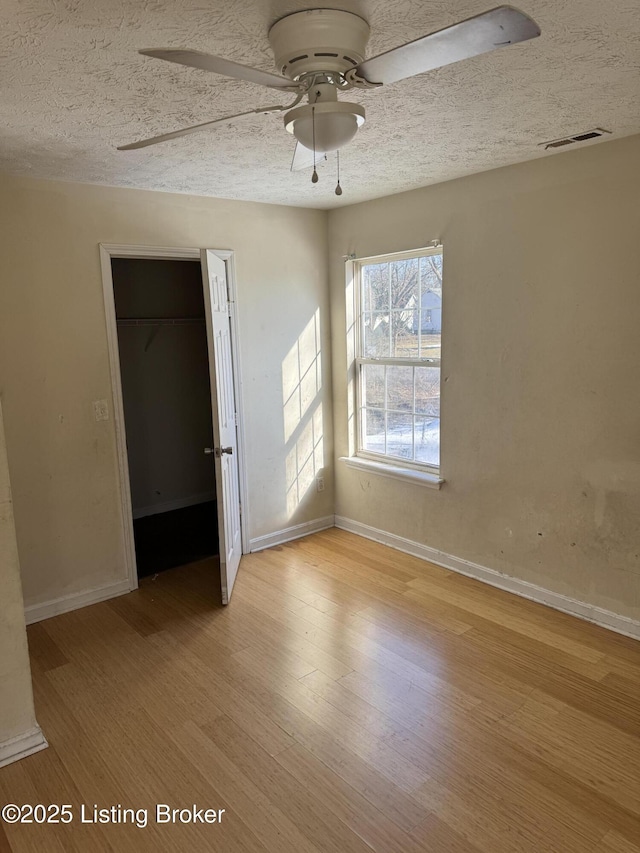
(314, 177)
(338, 187)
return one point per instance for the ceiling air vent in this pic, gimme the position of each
(579, 137)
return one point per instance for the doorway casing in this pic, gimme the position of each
(108, 251)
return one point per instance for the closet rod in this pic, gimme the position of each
(159, 321)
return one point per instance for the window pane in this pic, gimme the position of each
(375, 335)
(373, 430)
(373, 385)
(400, 388)
(404, 341)
(400, 435)
(375, 287)
(431, 273)
(430, 305)
(427, 431)
(429, 345)
(404, 284)
(428, 391)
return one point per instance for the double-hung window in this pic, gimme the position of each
(399, 312)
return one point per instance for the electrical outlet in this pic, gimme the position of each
(320, 484)
(100, 410)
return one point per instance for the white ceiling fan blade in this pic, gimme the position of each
(174, 134)
(207, 62)
(303, 159)
(480, 34)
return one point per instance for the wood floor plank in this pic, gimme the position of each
(611, 769)
(357, 651)
(376, 654)
(268, 631)
(346, 731)
(430, 611)
(342, 760)
(486, 795)
(614, 843)
(365, 550)
(561, 790)
(268, 717)
(510, 616)
(361, 560)
(249, 708)
(5, 847)
(276, 831)
(445, 768)
(45, 654)
(303, 808)
(352, 808)
(349, 699)
(470, 682)
(377, 579)
(17, 787)
(298, 575)
(492, 826)
(57, 778)
(435, 834)
(535, 654)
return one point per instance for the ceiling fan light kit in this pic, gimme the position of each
(325, 123)
(321, 52)
(335, 125)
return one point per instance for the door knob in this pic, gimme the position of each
(221, 450)
(208, 450)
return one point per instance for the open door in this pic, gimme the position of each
(225, 444)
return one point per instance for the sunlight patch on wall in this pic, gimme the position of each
(305, 460)
(301, 375)
(302, 411)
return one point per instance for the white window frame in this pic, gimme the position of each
(380, 462)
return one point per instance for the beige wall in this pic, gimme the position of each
(53, 362)
(541, 369)
(16, 700)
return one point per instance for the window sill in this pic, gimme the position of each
(395, 472)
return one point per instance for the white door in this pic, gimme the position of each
(225, 444)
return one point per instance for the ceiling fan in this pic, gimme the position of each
(320, 53)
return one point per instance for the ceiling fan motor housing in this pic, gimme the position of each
(318, 40)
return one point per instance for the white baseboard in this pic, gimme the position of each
(581, 609)
(47, 609)
(290, 533)
(169, 506)
(19, 747)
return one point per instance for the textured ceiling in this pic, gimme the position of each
(74, 87)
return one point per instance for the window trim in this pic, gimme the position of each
(381, 462)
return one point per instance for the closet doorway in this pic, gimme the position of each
(175, 386)
(164, 372)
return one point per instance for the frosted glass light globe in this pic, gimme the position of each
(332, 131)
(336, 123)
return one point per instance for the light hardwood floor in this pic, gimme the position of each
(351, 698)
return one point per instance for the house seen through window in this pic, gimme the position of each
(398, 358)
